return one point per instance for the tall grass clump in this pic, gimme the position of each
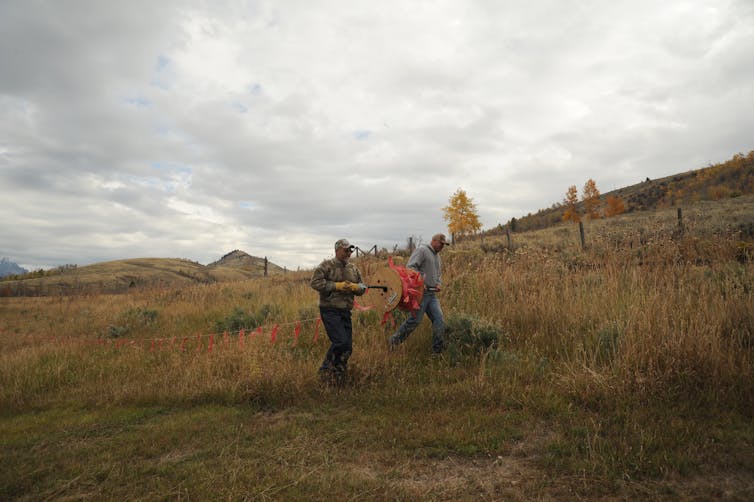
(670, 317)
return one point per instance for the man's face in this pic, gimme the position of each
(437, 245)
(343, 254)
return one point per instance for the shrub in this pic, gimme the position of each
(470, 335)
(132, 319)
(140, 317)
(241, 319)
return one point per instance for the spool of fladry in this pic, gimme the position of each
(383, 300)
(398, 287)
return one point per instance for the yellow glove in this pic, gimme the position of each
(356, 288)
(342, 286)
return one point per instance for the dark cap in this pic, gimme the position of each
(441, 238)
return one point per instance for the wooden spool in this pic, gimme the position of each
(379, 299)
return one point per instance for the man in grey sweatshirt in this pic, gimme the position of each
(426, 260)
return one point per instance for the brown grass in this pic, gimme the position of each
(621, 371)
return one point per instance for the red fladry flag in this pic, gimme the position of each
(316, 329)
(211, 343)
(257, 332)
(388, 317)
(296, 332)
(198, 343)
(225, 338)
(274, 334)
(362, 308)
(412, 285)
(151, 347)
(240, 339)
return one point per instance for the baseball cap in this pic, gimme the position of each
(441, 238)
(342, 243)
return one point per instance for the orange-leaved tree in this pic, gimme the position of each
(614, 206)
(461, 215)
(570, 201)
(591, 198)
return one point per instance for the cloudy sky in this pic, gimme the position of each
(189, 129)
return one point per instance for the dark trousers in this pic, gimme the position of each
(338, 326)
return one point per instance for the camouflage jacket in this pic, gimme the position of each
(326, 275)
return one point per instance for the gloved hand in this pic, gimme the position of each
(343, 286)
(357, 288)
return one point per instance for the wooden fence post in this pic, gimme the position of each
(680, 221)
(581, 233)
(508, 235)
(265, 266)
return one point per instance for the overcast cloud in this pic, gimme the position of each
(189, 129)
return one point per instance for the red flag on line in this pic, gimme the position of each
(274, 334)
(362, 308)
(240, 340)
(388, 317)
(258, 331)
(296, 332)
(211, 342)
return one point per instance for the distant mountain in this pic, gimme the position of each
(7, 268)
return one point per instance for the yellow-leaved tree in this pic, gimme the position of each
(614, 206)
(461, 215)
(591, 198)
(570, 201)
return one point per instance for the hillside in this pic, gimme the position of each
(726, 180)
(120, 276)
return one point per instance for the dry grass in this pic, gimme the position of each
(623, 370)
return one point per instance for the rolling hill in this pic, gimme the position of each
(120, 276)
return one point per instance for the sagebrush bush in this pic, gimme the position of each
(467, 335)
(242, 319)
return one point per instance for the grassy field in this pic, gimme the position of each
(621, 371)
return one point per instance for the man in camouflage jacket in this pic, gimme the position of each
(337, 281)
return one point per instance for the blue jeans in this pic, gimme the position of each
(338, 326)
(431, 306)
